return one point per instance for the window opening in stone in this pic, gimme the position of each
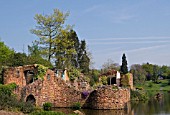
(31, 99)
(29, 76)
(18, 73)
(48, 76)
(111, 80)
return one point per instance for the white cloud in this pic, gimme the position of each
(93, 8)
(132, 38)
(128, 42)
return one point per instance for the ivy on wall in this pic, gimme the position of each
(41, 71)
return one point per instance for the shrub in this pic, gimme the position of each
(104, 80)
(150, 84)
(77, 105)
(47, 106)
(26, 107)
(114, 87)
(139, 95)
(8, 100)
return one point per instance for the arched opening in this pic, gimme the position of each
(31, 99)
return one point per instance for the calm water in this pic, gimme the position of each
(151, 107)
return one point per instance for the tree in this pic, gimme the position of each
(5, 55)
(139, 74)
(48, 29)
(83, 58)
(74, 57)
(19, 59)
(64, 50)
(124, 68)
(34, 56)
(110, 65)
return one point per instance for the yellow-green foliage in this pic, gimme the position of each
(104, 80)
(41, 71)
(125, 80)
(74, 73)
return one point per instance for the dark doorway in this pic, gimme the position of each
(31, 99)
(111, 80)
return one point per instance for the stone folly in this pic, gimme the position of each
(56, 89)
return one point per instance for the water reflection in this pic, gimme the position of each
(151, 107)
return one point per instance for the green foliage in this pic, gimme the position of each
(139, 95)
(76, 105)
(104, 80)
(48, 113)
(47, 106)
(95, 75)
(74, 73)
(5, 55)
(26, 107)
(139, 74)
(9, 102)
(125, 80)
(19, 59)
(150, 84)
(41, 71)
(92, 82)
(124, 68)
(83, 58)
(48, 29)
(114, 87)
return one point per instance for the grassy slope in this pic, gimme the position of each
(163, 85)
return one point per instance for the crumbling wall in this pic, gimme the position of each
(108, 98)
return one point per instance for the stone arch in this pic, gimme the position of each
(31, 99)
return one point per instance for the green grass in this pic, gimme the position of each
(162, 85)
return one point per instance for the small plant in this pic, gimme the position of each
(47, 106)
(41, 71)
(77, 105)
(114, 87)
(150, 84)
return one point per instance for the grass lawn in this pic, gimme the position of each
(162, 85)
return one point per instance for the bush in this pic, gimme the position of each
(47, 106)
(104, 80)
(26, 107)
(150, 84)
(77, 105)
(8, 100)
(139, 95)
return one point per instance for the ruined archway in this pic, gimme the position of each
(31, 99)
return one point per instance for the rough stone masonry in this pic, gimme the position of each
(55, 90)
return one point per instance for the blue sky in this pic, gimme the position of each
(138, 28)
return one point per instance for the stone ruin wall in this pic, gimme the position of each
(108, 98)
(55, 90)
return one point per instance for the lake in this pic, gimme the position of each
(151, 107)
